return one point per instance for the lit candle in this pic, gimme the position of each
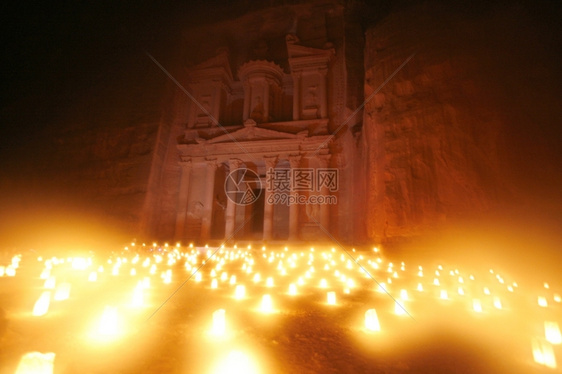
(292, 289)
(399, 308)
(108, 326)
(41, 306)
(266, 304)
(552, 332)
(331, 298)
(269, 282)
(219, 323)
(477, 306)
(36, 363)
(137, 299)
(239, 292)
(372, 320)
(543, 353)
(146, 282)
(50, 283)
(236, 362)
(62, 292)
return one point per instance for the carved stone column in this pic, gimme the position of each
(247, 97)
(208, 200)
(323, 93)
(266, 101)
(325, 207)
(270, 163)
(182, 199)
(230, 214)
(296, 96)
(294, 161)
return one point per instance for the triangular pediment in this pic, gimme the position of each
(252, 133)
(297, 51)
(217, 65)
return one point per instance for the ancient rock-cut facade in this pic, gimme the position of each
(271, 105)
(406, 120)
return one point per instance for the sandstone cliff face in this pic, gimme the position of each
(91, 160)
(435, 133)
(459, 130)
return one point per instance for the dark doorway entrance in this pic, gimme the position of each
(257, 214)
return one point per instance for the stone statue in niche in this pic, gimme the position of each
(311, 97)
(310, 102)
(218, 203)
(257, 110)
(313, 212)
(196, 211)
(203, 115)
(292, 39)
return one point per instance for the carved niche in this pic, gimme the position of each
(262, 82)
(309, 68)
(210, 83)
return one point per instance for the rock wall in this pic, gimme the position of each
(92, 160)
(468, 123)
(438, 134)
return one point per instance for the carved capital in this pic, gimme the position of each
(294, 161)
(297, 74)
(270, 161)
(186, 164)
(324, 160)
(211, 163)
(234, 163)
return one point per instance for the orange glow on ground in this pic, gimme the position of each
(314, 282)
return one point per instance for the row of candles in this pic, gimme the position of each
(284, 262)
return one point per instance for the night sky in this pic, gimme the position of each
(60, 61)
